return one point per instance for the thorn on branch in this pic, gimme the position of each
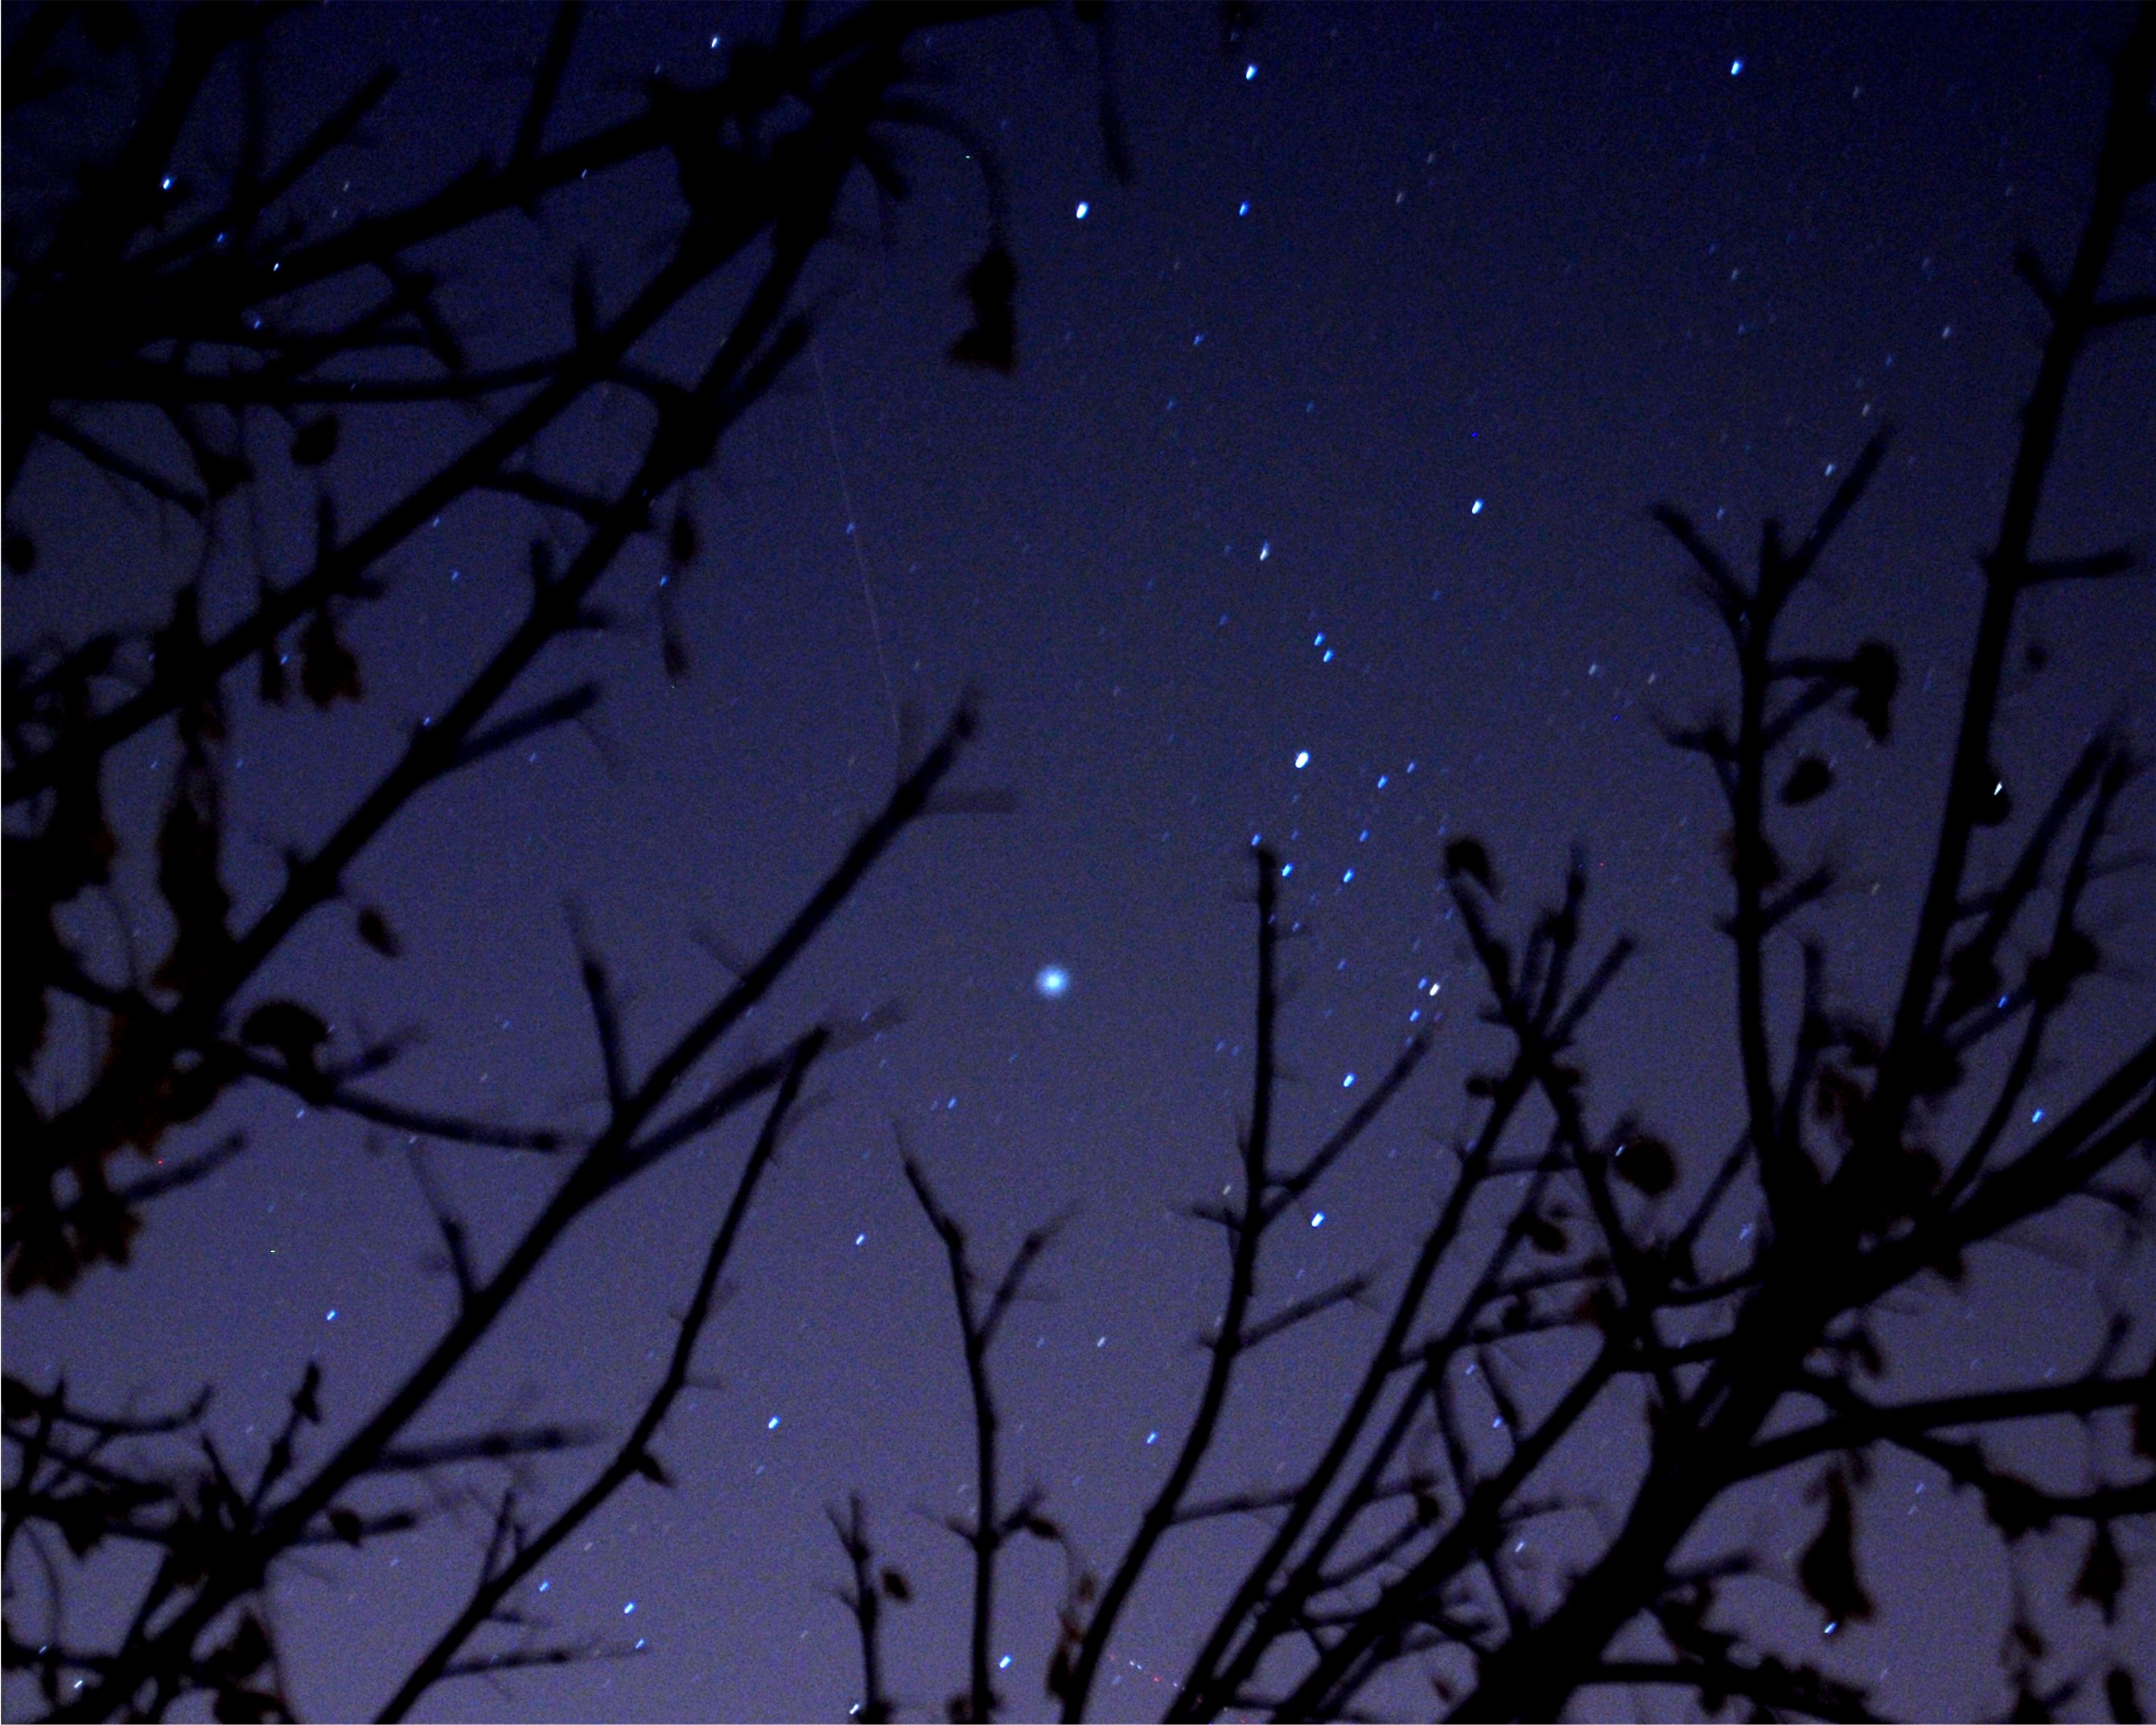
(991, 342)
(315, 441)
(2031, 268)
(329, 671)
(2097, 566)
(1809, 780)
(373, 928)
(290, 1030)
(1828, 1569)
(1470, 858)
(1875, 673)
(1993, 803)
(648, 1466)
(1644, 1162)
(2103, 1575)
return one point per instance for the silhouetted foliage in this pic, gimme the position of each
(186, 327)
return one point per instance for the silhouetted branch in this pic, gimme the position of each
(976, 1328)
(1856, 1424)
(634, 1457)
(1349, 1292)
(1770, 1683)
(614, 1156)
(486, 1446)
(1728, 1312)
(849, 74)
(865, 1599)
(1230, 1338)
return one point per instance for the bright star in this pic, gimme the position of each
(1051, 982)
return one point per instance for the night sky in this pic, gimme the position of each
(1317, 511)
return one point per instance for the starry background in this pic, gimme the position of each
(1316, 509)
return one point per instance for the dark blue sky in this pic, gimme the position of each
(1317, 509)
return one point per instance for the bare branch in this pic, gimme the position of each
(635, 1456)
(865, 1599)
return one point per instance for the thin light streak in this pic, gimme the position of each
(854, 538)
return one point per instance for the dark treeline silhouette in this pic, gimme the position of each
(183, 326)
